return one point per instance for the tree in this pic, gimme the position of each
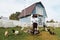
(51, 21)
(14, 16)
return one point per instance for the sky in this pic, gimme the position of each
(52, 7)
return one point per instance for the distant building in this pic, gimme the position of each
(26, 14)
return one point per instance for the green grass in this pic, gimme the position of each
(26, 36)
(57, 31)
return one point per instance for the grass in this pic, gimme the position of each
(57, 31)
(25, 36)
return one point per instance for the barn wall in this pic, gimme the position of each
(40, 10)
(37, 10)
(25, 21)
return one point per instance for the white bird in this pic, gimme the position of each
(6, 33)
(16, 32)
(22, 28)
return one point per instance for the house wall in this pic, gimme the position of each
(25, 21)
(39, 10)
(41, 20)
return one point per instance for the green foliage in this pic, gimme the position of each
(57, 31)
(14, 16)
(51, 21)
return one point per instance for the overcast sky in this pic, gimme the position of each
(7, 7)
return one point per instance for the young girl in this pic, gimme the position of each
(34, 22)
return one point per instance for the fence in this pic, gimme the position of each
(14, 23)
(53, 24)
(9, 23)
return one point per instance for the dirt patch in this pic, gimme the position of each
(48, 36)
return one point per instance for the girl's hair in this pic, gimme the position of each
(34, 16)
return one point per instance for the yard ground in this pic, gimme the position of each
(25, 36)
